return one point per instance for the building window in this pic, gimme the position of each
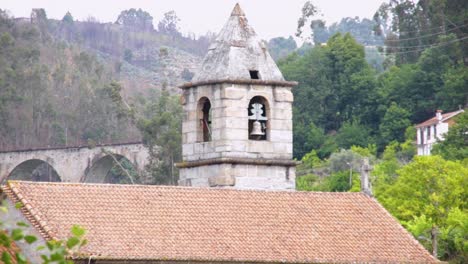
(258, 118)
(204, 117)
(428, 133)
(435, 131)
(421, 134)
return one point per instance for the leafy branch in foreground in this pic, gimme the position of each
(54, 251)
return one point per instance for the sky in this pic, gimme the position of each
(269, 18)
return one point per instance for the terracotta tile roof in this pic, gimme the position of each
(12, 250)
(202, 224)
(433, 121)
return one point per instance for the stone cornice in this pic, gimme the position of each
(246, 161)
(238, 81)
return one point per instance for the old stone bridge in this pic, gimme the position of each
(73, 164)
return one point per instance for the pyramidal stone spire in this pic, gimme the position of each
(238, 54)
(237, 11)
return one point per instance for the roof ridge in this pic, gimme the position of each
(211, 189)
(452, 114)
(30, 213)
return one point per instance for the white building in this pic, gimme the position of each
(431, 130)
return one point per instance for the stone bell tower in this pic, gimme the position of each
(237, 127)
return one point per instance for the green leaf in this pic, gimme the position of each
(45, 258)
(72, 242)
(84, 243)
(30, 239)
(77, 231)
(5, 240)
(3, 209)
(6, 258)
(41, 247)
(51, 245)
(21, 259)
(23, 224)
(18, 205)
(56, 256)
(17, 234)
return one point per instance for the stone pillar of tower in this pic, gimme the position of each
(237, 127)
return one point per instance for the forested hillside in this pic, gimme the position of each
(52, 93)
(58, 78)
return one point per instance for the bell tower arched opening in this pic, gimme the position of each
(204, 117)
(258, 112)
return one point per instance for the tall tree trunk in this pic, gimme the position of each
(434, 236)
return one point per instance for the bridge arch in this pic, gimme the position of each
(71, 163)
(112, 168)
(33, 170)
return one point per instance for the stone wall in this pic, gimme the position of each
(229, 125)
(230, 137)
(240, 176)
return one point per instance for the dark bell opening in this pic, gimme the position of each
(254, 75)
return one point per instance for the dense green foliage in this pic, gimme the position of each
(281, 47)
(428, 194)
(455, 144)
(345, 112)
(336, 86)
(360, 29)
(340, 96)
(161, 126)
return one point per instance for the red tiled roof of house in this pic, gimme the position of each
(201, 224)
(433, 121)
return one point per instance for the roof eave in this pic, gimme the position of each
(239, 81)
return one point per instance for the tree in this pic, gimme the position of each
(128, 55)
(169, 24)
(162, 129)
(455, 143)
(429, 187)
(135, 19)
(352, 134)
(281, 47)
(394, 123)
(68, 18)
(336, 85)
(309, 10)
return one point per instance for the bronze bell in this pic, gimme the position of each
(257, 129)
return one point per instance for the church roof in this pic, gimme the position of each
(136, 222)
(236, 52)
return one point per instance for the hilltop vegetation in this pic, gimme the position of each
(58, 78)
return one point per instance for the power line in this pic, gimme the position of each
(413, 38)
(421, 46)
(425, 36)
(428, 29)
(417, 50)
